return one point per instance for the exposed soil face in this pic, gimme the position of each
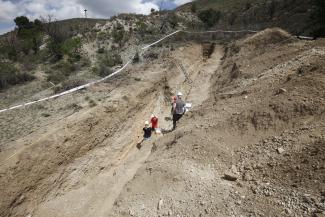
(262, 128)
(252, 145)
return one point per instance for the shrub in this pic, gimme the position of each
(118, 34)
(110, 59)
(66, 67)
(104, 71)
(9, 75)
(71, 46)
(101, 50)
(173, 20)
(69, 84)
(102, 36)
(85, 62)
(136, 57)
(55, 76)
(151, 55)
(210, 17)
(94, 69)
(142, 28)
(193, 7)
(60, 71)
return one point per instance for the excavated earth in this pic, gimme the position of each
(252, 145)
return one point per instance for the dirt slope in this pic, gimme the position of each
(258, 117)
(263, 125)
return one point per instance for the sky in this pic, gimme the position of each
(64, 9)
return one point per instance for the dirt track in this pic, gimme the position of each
(250, 99)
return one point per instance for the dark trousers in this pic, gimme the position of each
(176, 118)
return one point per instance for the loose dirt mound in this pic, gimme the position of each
(267, 37)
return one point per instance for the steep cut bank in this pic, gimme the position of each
(255, 147)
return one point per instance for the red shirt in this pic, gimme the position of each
(154, 122)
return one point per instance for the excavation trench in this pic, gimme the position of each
(103, 142)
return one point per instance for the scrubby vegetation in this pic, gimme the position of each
(10, 75)
(69, 84)
(210, 17)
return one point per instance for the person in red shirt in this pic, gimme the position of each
(154, 122)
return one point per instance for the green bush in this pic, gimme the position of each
(118, 34)
(71, 46)
(193, 7)
(9, 75)
(102, 36)
(60, 71)
(210, 17)
(104, 71)
(66, 67)
(55, 76)
(110, 59)
(173, 20)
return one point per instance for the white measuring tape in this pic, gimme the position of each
(116, 72)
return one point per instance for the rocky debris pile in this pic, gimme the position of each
(288, 170)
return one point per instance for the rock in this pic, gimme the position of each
(234, 169)
(131, 212)
(230, 177)
(238, 202)
(288, 211)
(20, 200)
(170, 213)
(160, 204)
(282, 90)
(280, 150)
(247, 177)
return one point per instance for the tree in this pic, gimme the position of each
(57, 33)
(193, 7)
(11, 45)
(173, 20)
(38, 24)
(22, 22)
(210, 17)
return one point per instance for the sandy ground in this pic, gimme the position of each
(256, 129)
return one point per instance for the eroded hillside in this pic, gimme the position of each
(252, 145)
